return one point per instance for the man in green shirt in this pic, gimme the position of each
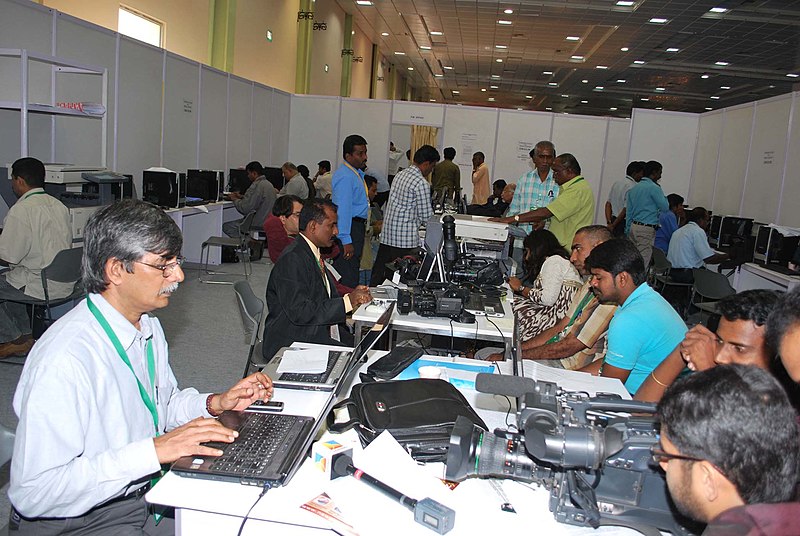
(571, 210)
(446, 174)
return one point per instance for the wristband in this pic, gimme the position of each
(209, 409)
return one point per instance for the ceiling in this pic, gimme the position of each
(615, 58)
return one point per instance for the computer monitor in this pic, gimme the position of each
(762, 244)
(238, 181)
(119, 190)
(733, 229)
(713, 230)
(204, 184)
(773, 247)
(164, 188)
(275, 176)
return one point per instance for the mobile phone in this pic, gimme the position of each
(268, 406)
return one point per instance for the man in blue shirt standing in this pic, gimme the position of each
(645, 327)
(350, 196)
(645, 203)
(669, 222)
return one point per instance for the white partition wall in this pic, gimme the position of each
(585, 138)
(181, 113)
(517, 133)
(789, 212)
(706, 160)
(213, 118)
(734, 151)
(615, 162)
(240, 119)
(260, 127)
(314, 130)
(372, 120)
(470, 130)
(279, 125)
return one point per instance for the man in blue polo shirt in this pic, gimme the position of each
(644, 204)
(645, 327)
(689, 247)
(350, 196)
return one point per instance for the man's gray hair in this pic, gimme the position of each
(289, 166)
(126, 230)
(544, 144)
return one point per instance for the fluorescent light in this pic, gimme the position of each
(709, 109)
(621, 81)
(565, 96)
(528, 96)
(447, 67)
(645, 99)
(424, 47)
(385, 34)
(432, 100)
(519, 109)
(491, 99)
(600, 88)
(602, 67)
(659, 108)
(483, 89)
(638, 62)
(410, 68)
(547, 72)
(715, 97)
(549, 109)
(584, 102)
(437, 33)
(624, 49)
(437, 75)
(573, 38)
(554, 84)
(500, 46)
(724, 87)
(661, 89)
(364, 2)
(793, 75)
(504, 22)
(456, 92)
(613, 109)
(718, 10)
(704, 76)
(495, 76)
(584, 81)
(658, 20)
(576, 58)
(499, 60)
(398, 53)
(492, 87)
(722, 63)
(625, 3)
(508, 11)
(673, 49)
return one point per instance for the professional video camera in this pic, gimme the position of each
(435, 300)
(594, 460)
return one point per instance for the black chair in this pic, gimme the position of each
(241, 244)
(709, 287)
(251, 310)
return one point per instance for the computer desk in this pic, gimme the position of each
(754, 276)
(204, 507)
(198, 223)
(495, 329)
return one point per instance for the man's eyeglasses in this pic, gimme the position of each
(660, 456)
(166, 269)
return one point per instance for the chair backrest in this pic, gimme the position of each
(65, 268)
(711, 285)
(246, 223)
(251, 310)
(6, 444)
(660, 263)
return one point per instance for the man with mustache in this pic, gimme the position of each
(99, 408)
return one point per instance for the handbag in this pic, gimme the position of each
(419, 413)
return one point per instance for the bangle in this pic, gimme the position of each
(653, 374)
(209, 409)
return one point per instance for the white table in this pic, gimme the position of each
(754, 276)
(486, 328)
(205, 507)
(199, 223)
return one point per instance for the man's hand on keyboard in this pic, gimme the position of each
(257, 386)
(185, 440)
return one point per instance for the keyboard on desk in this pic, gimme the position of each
(320, 377)
(260, 437)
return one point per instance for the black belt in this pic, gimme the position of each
(362, 220)
(653, 225)
(133, 495)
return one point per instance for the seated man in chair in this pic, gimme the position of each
(36, 228)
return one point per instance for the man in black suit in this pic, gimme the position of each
(303, 303)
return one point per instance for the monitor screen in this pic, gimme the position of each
(203, 184)
(714, 227)
(238, 181)
(733, 229)
(275, 176)
(762, 242)
(782, 248)
(163, 188)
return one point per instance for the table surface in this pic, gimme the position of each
(208, 507)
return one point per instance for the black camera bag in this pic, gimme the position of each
(419, 413)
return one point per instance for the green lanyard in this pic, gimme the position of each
(31, 195)
(575, 315)
(151, 362)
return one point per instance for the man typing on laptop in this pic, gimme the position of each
(98, 405)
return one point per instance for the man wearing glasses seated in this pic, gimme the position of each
(729, 447)
(99, 408)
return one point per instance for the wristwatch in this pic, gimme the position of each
(516, 218)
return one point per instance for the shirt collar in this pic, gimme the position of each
(314, 248)
(638, 292)
(31, 192)
(539, 177)
(358, 171)
(571, 182)
(124, 330)
(648, 179)
(630, 178)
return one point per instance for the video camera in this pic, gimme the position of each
(591, 455)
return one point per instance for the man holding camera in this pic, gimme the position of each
(729, 447)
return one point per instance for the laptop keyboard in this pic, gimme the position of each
(260, 436)
(333, 357)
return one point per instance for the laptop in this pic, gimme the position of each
(338, 361)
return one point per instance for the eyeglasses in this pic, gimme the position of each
(166, 269)
(660, 456)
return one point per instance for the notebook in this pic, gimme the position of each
(338, 361)
(269, 450)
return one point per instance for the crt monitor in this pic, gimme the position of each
(714, 228)
(204, 184)
(734, 229)
(238, 181)
(164, 188)
(275, 176)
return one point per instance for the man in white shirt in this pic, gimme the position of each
(322, 180)
(99, 408)
(615, 206)
(36, 228)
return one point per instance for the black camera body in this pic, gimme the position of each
(589, 452)
(435, 300)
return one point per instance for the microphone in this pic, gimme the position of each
(500, 384)
(427, 512)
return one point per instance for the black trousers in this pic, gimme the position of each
(349, 268)
(385, 255)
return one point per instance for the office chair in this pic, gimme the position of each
(660, 270)
(240, 243)
(65, 268)
(251, 310)
(709, 285)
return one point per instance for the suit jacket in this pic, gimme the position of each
(300, 309)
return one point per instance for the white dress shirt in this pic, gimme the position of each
(84, 434)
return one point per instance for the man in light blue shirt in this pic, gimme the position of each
(689, 247)
(537, 188)
(645, 327)
(644, 204)
(669, 222)
(350, 196)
